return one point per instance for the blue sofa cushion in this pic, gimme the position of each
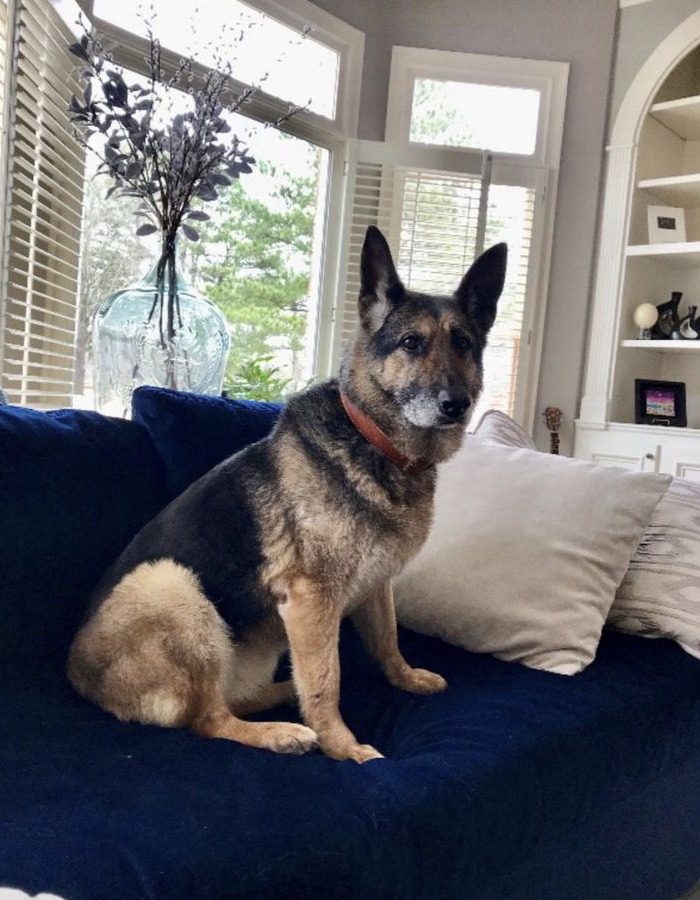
(74, 488)
(193, 433)
(510, 768)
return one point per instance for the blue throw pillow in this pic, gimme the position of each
(193, 433)
(75, 487)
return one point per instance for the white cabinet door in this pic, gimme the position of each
(638, 453)
(682, 459)
(690, 471)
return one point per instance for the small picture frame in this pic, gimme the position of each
(666, 224)
(659, 403)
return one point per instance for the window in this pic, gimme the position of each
(471, 158)
(68, 248)
(321, 71)
(468, 114)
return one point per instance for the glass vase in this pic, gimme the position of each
(139, 337)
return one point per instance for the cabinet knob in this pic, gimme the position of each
(649, 456)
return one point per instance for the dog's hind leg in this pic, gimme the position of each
(249, 687)
(157, 652)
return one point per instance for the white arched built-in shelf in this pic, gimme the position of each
(653, 153)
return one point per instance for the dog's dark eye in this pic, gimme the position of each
(411, 342)
(462, 343)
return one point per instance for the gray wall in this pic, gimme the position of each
(580, 32)
(641, 30)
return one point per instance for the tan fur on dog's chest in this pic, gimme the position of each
(324, 539)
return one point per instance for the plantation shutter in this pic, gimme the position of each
(3, 51)
(5, 63)
(43, 215)
(438, 209)
(510, 218)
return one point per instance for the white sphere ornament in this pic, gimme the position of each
(645, 315)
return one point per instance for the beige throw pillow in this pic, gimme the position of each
(498, 428)
(660, 595)
(526, 553)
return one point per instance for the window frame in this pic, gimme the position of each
(539, 171)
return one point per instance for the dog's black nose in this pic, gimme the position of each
(453, 405)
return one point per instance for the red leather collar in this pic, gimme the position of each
(374, 434)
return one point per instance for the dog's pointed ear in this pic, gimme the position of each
(481, 287)
(380, 283)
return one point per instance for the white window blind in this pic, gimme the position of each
(372, 186)
(510, 218)
(439, 233)
(5, 62)
(3, 47)
(43, 214)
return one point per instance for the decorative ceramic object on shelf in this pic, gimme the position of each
(151, 333)
(645, 317)
(696, 327)
(666, 328)
(687, 326)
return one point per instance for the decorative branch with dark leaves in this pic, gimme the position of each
(168, 161)
(152, 150)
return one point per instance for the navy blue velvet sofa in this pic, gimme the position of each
(512, 785)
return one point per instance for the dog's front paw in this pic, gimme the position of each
(419, 681)
(287, 737)
(340, 743)
(359, 753)
(363, 752)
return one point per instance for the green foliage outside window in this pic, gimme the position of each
(261, 280)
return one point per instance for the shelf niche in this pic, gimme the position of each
(667, 174)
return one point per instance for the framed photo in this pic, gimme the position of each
(659, 403)
(666, 224)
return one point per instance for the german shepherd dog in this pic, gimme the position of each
(276, 544)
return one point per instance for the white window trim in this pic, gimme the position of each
(539, 171)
